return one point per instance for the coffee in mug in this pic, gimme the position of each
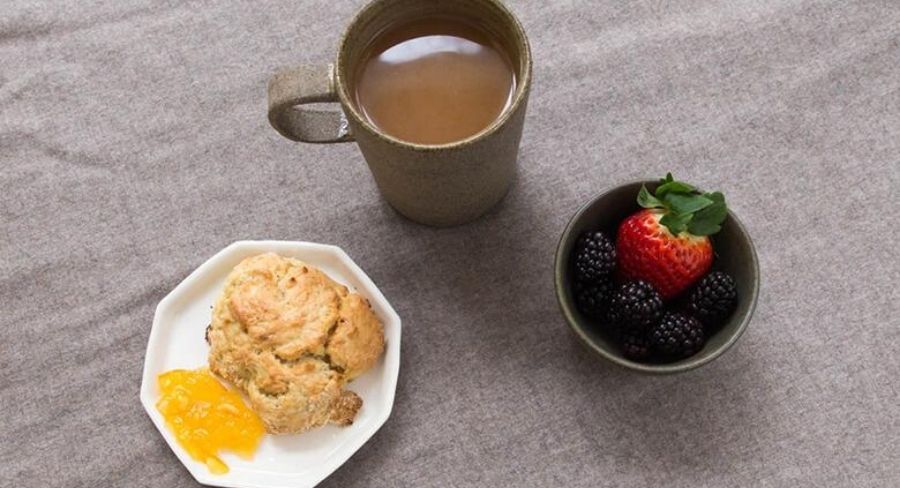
(434, 80)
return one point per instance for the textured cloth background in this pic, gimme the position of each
(134, 145)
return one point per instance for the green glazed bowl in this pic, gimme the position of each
(734, 254)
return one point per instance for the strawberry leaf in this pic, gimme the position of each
(703, 229)
(646, 200)
(673, 187)
(685, 207)
(675, 223)
(715, 196)
(709, 220)
(687, 204)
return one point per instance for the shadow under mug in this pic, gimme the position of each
(441, 185)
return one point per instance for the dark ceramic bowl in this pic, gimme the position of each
(734, 254)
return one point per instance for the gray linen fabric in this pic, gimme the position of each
(134, 145)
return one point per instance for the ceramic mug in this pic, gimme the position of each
(442, 185)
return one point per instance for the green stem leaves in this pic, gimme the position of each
(686, 209)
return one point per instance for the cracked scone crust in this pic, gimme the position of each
(290, 338)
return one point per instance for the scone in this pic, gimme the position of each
(290, 338)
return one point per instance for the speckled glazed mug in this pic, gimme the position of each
(442, 185)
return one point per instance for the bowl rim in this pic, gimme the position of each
(568, 312)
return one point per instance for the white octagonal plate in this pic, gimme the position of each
(177, 341)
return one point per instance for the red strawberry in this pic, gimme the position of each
(666, 244)
(648, 251)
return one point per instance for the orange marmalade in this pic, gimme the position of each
(206, 417)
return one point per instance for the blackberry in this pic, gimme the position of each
(595, 257)
(635, 306)
(713, 299)
(677, 335)
(592, 299)
(635, 346)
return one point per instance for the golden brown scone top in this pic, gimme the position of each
(290, 337)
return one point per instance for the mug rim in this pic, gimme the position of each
(349, 109)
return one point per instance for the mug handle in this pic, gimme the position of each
(290, 89)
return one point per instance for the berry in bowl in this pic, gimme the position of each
(657, 276)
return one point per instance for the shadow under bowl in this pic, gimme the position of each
(734, 254)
